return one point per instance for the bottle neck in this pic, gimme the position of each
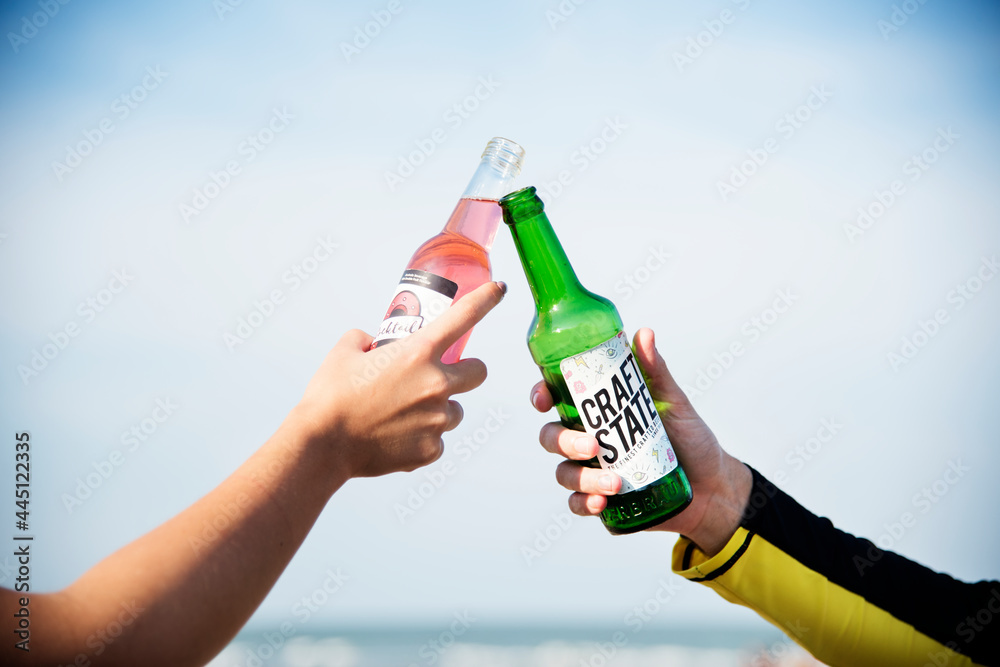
(493, 178)
(477, 215)
(549, 273)
(476, 220)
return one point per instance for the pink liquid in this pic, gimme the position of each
(460, 253)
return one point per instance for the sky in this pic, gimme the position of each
(812, 183)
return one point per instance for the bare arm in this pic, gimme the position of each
(177, 595)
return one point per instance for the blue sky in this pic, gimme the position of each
(859, 297)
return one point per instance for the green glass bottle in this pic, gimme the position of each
(577, 340)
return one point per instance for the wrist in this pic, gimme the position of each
(319, 444)
(725, 506)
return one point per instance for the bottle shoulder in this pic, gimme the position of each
(572, 326)
(450, 241)
(447, 247)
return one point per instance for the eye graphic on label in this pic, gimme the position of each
(405, 303)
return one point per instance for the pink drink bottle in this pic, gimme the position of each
(457, 260)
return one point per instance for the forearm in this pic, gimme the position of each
(177, 595)
(184, 589)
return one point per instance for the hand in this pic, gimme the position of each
(384, 410)
(720, 483)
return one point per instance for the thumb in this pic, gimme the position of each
(662, 385)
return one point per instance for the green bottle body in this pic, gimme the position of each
(569, 321)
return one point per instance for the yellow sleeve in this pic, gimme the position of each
(841, 598)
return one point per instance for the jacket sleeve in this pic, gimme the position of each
(841, 597)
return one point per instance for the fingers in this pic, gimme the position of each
(582, 479)
(541, 398)
(591, 486)
(583, 504)
(427, 453)
(455, 415)
(464, 375)
(462, 316)
(575, 445)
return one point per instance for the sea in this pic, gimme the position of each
(477, 646)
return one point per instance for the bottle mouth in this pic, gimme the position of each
(521, 205)
(505, 154)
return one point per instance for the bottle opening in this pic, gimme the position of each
(521, 205)
(505, 154)
(499, 166)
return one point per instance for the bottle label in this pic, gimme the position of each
(419, 299)
(616, 408)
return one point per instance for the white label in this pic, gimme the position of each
(615, 407)
(419, 299)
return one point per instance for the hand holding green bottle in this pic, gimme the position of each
(577, 340)
(720, 483)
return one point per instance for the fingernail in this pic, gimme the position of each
(503, 286)
(604, 483)
(582, 446)
(534, 401)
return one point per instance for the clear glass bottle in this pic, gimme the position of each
(457, 260)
